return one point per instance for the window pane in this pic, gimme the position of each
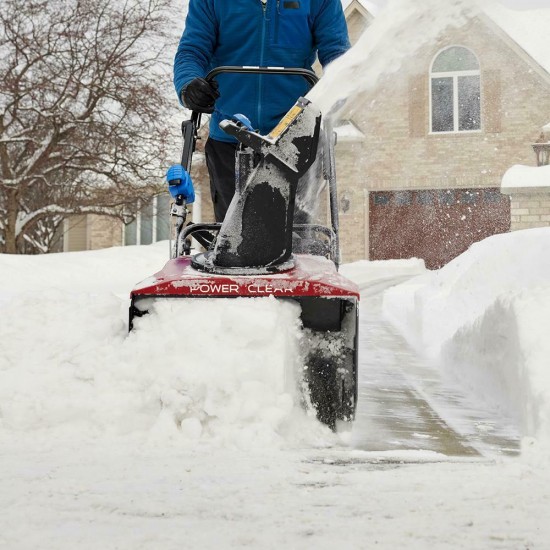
(130, 233)
(403, 198)
(425, 198)
(468, 197)
(146, 232)
(455, 59)
(381, 199)
(469, 103)
(446, 198)
(442, 105)
(492, 195)
(163, 217)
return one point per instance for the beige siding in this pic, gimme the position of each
(104, 232)
(76, 234)
(91, 232)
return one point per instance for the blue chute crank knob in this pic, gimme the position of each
(244, 120)
(180, 183)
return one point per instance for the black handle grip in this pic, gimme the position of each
(310, 76)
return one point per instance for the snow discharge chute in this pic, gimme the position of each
(258, 250)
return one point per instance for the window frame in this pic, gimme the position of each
(455, 75)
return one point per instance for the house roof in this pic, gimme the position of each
(529, 29)
(370, 6)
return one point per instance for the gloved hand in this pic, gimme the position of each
(179, 183)
(200, 95)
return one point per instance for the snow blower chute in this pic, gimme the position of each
(259, 251)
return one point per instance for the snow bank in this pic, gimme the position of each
(218, 371)
(485, 317)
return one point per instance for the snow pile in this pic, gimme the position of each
(485, 317)
(193, 370)
(519, 176)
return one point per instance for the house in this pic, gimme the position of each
(437, 136)
(421, 154)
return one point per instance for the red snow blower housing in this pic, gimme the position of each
(259, 251)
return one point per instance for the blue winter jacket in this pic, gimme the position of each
(280, 33)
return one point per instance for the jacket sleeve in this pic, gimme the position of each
(197, 44)
(330, 31)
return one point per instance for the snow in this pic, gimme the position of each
(401, 27)
(520, 176)
(187, 429)
(397, 30)
(528, 28)
(84, 372)
(485, 317)
(348, 132)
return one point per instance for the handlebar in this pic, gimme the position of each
(310, 76)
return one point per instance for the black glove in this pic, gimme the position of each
(200, 95)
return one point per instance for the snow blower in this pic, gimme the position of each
(259, 251)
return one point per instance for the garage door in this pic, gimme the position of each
(436, 225)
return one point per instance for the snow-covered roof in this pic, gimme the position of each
(526, 177)
(371, 7)
(530, 29)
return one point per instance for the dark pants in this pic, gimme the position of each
(220, 160)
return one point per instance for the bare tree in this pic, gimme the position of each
(84, 100)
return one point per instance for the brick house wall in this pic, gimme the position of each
(530, 209)
(399, 153)
(353, 220)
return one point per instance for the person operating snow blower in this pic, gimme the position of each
(273, 33)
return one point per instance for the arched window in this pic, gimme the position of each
(455, 91)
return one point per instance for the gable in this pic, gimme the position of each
(365, 5)
(357, 23)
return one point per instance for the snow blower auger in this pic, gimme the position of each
(250, 254)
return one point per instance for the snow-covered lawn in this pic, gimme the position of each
(116, 441)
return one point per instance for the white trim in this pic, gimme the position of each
(455, 73)
(154, 210)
